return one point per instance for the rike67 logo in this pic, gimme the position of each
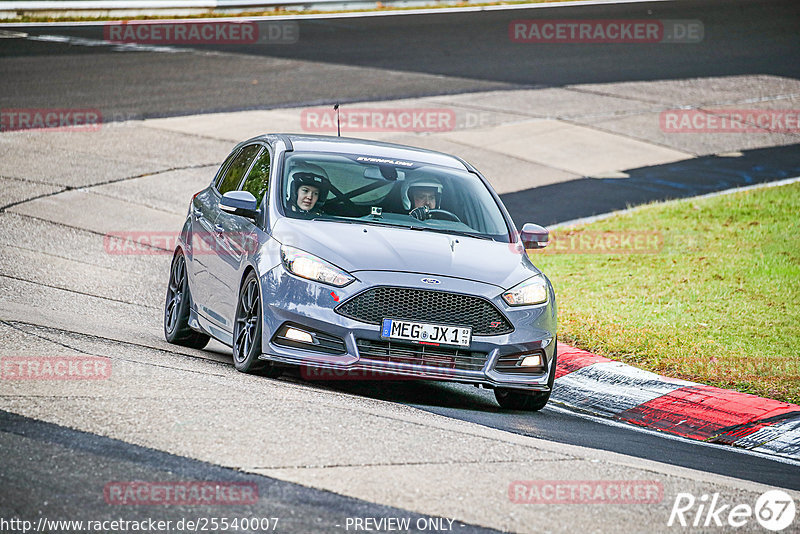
(774, 510)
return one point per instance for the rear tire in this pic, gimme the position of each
(530, 401)
(176, 308)
(247, 331)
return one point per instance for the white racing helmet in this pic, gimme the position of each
(423, 182)
(308, 174)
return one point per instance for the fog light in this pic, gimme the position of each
(532, 361)
(298, 335)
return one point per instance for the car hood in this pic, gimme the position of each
(363, 247)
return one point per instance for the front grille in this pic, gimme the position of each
(376, 304)
(449, 358)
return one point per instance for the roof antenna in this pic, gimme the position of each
(338, 127)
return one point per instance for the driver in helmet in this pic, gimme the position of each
(422, 195)
(308, 189)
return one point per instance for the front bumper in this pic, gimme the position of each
(295, 301)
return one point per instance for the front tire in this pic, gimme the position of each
(176, 308)
(247, 331)
(529, 401)
(517, 399)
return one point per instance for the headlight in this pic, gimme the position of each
(311, 267)
(531, 291)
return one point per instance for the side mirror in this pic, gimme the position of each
(534, 236)
(240, 203)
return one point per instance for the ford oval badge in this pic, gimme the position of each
(432, 281)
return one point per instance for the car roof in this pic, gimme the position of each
(363, 147)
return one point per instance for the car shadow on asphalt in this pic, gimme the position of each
(406, 391)
(584, 197)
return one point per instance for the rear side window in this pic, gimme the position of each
(257, 181)
(235, 172)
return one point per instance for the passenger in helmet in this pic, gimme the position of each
(308, 189)
(307, 196)
(422, 195)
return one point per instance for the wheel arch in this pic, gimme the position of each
(247, 270)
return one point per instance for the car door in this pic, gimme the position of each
(204, 207)
(227, 250)
(239, 236)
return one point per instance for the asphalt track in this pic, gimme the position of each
(54, 472)
(401, 56)
(552, 423)
(376, 58)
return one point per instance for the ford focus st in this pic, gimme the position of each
(343, 254)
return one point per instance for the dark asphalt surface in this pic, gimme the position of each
(479, 406)
(373, 58)
(56, 473)
(583, 197)
(384, 58)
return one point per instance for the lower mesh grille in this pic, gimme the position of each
(439, 307)
(450, 358)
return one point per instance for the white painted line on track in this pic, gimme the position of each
(119, 47)
(4, 34)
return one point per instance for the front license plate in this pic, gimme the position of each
(426, 333)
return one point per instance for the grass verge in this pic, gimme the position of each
(702, 289)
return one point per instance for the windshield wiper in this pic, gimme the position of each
(333, 218)
(459, 232)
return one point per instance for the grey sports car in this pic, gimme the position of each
(349, 255)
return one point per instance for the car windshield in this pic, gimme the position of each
(381, 191)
